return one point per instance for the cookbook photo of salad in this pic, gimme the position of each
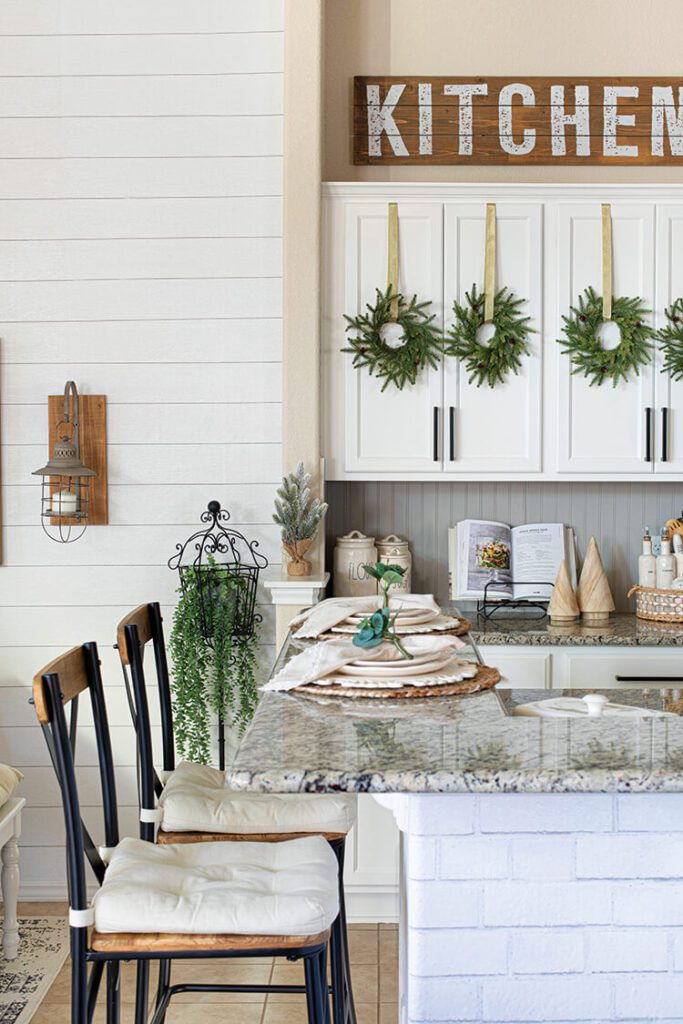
(517, 561)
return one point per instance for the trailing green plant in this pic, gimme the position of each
(671, 340)
(210, 678)
(490, 363)
(582, 341)
(420, 344)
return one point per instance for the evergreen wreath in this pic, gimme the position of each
(582, 344)
(489, 363)
(671, 340)
(399, 366)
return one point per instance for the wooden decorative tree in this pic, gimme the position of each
(594, 594)
(563, 607)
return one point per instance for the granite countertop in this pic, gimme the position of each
(620, 631)
(455, 745)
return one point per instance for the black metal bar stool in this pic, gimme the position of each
(196, 805)
(167, 902)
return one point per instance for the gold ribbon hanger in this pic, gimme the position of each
(606, 261)
(392, 268)
(490, 263)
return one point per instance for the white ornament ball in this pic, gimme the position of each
(391, 334)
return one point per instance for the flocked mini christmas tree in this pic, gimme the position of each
(299, 516)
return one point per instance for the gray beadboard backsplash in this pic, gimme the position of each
(614, 514)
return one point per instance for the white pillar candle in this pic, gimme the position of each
(64, 503)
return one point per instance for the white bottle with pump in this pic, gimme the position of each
(666, 565)
(647, 563)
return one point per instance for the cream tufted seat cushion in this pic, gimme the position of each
(242, 888)
(198, 799)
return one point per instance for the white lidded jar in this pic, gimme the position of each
(351, 553)
(393, 550)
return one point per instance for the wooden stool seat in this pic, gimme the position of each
(170, 942)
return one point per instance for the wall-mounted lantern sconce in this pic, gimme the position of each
(69, 492)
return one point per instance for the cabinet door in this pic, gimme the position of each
(602, 429)
(393, 431)
(668, 449)
(494, 429)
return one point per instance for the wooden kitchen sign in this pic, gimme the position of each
(408, 120)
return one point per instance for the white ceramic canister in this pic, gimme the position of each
(351, 553)
(393, 550)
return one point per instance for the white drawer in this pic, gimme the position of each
(640, 668)
(524, 670)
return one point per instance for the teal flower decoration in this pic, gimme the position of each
(380, 625)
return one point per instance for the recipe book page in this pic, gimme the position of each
(537, 550)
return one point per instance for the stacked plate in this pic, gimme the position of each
(410, 621)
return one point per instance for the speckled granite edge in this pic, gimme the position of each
(621, 631)
(563, 781)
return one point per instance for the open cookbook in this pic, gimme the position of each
(481, 552)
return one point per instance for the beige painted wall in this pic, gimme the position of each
(515, 37)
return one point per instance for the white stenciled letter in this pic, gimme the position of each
(465, 94)
(381, 119)
(507, 142)
(424, 97)
(664, 106)
(580, 119)
(612, 119)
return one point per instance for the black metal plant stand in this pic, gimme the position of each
(210, 557)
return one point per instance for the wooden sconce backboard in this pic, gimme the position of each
(93, 439)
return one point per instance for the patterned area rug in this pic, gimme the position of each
(43, 948)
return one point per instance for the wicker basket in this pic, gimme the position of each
(658, 605)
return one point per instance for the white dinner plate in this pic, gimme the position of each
(385, 670)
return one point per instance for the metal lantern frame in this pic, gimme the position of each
(65, 473)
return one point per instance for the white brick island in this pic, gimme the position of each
(541, 907)
(542, 858)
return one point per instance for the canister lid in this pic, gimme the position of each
(355, 537)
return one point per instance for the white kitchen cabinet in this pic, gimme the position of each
(546, 423)
(583, 668)
(668, 440)
(494, 429)
(390, 429)
(605, 429)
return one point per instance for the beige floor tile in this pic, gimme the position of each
(228, 974)
(363, 947)
(366, 1013)
(388, 983)
(207, 1013)
(385, 926)
(285, 1013)
(364, 982)
(361, 926)
(388, 947)
(388, 1013)
(42, 908)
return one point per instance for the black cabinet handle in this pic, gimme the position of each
(648, 434)
(665, 434)
(649, 679)
(451, 438)
(436, 433)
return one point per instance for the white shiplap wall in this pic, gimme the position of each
(140, 255)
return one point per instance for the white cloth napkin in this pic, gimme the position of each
(322, 617)
(328, 656)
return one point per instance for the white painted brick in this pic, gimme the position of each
(678, 950)
(473, 857)
(627, 949)
(543, 857)
(552, 903)
(442, 999)
(649, 996)
(421, 857)
(649, 812)
(442, 814)
(574, 998)
(443, 905)
(656, 903)
(629, 856)
(539, 950)
(544, 812)
(457, 951)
